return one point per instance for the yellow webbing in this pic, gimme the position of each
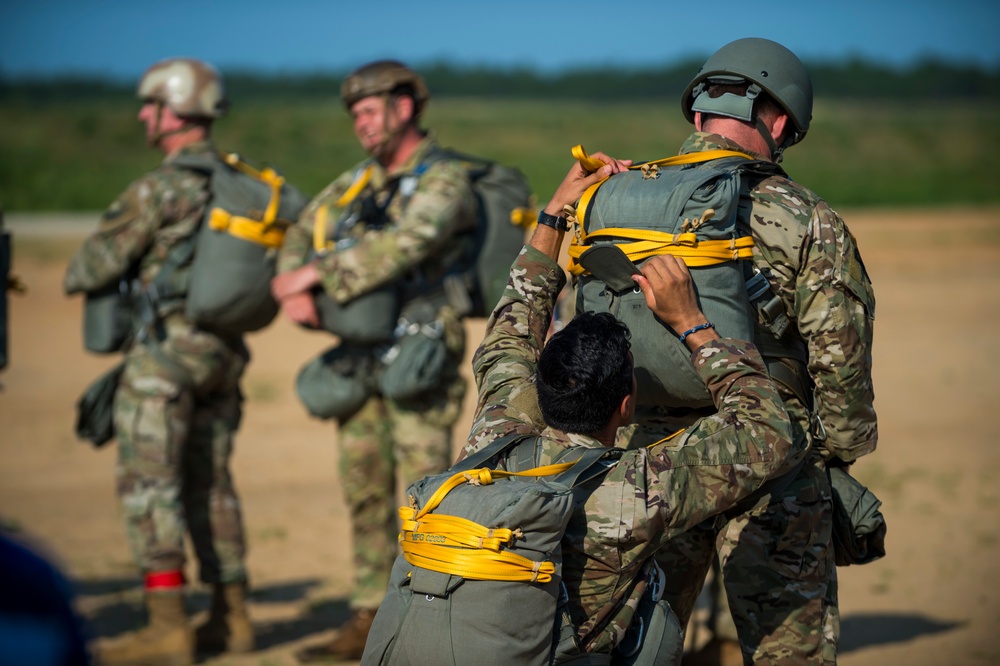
(647, 243)
(320, 242)
(453, 545)
(268, 231)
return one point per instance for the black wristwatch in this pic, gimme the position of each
(557, 223)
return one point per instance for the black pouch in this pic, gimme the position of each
(858, 525)
(95, 408)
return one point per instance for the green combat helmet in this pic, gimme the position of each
(381, 78)
(767, 66)
(188, 87)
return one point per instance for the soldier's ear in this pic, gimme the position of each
(405, 108)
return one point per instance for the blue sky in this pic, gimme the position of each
(120, 38)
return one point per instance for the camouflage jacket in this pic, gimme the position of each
(155, 213)
(812, 261)
(653, 493)
(420, 208)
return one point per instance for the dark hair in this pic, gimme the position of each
(764, 106)
(407, 90)
(584, 372)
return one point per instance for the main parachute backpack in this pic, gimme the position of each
(235, 251)
(687, 206)
(479, 579)
(504, 209)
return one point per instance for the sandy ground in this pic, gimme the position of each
(932, 600)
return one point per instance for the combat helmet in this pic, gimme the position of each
(381, 78)
(765, 64)
(188, 87)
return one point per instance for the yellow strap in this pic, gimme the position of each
(478, 564)
(482, 477)
(320, 242)
(454, 545)
(269, 234)
(355, 189)
(269, 231)
(667, 438)
(684, 246)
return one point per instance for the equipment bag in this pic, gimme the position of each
(235, 251)
(858, 524)
(108, 317)
(337, 383)
(686, 206)
(95, 408)
(479, 579)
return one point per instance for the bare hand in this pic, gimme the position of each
(301, 309)
(579, 179)
(294, 282)
(669, 292)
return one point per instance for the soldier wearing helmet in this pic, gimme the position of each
(815, 332)
(381, 239)
(178, 404)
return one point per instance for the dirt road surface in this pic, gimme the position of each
(935, 599)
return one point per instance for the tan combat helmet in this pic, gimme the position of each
(381, 78)
(188, 87)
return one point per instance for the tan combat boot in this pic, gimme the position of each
(228, 627)
(348, 645)
(166, 641)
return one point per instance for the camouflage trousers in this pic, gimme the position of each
(383, 441)
(176, 411)
(778, 571)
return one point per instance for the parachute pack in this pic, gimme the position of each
(688, 206)
(235, 250)
(479, 577)
(504, 211)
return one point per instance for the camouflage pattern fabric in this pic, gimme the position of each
(653, 493)
(178, 406)
(388, 439)
(777, 557)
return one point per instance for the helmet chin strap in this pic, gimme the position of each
(776, 150)
(159, 134)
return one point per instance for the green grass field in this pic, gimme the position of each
(78, 156)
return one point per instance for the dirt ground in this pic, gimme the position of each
(932, 600)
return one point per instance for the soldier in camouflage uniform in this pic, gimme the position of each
(178, 403)
(415, 208)
(579, 388)
(776, 551)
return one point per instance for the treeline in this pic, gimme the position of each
(851, 79)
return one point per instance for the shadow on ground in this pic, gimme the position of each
(114, 606)
(864, 630)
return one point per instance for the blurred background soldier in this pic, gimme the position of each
(374, 249)
(178, 402)
(815, 333)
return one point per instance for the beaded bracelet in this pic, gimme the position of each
(699, 327)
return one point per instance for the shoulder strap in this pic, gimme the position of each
(491, 450)
(588, 463)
